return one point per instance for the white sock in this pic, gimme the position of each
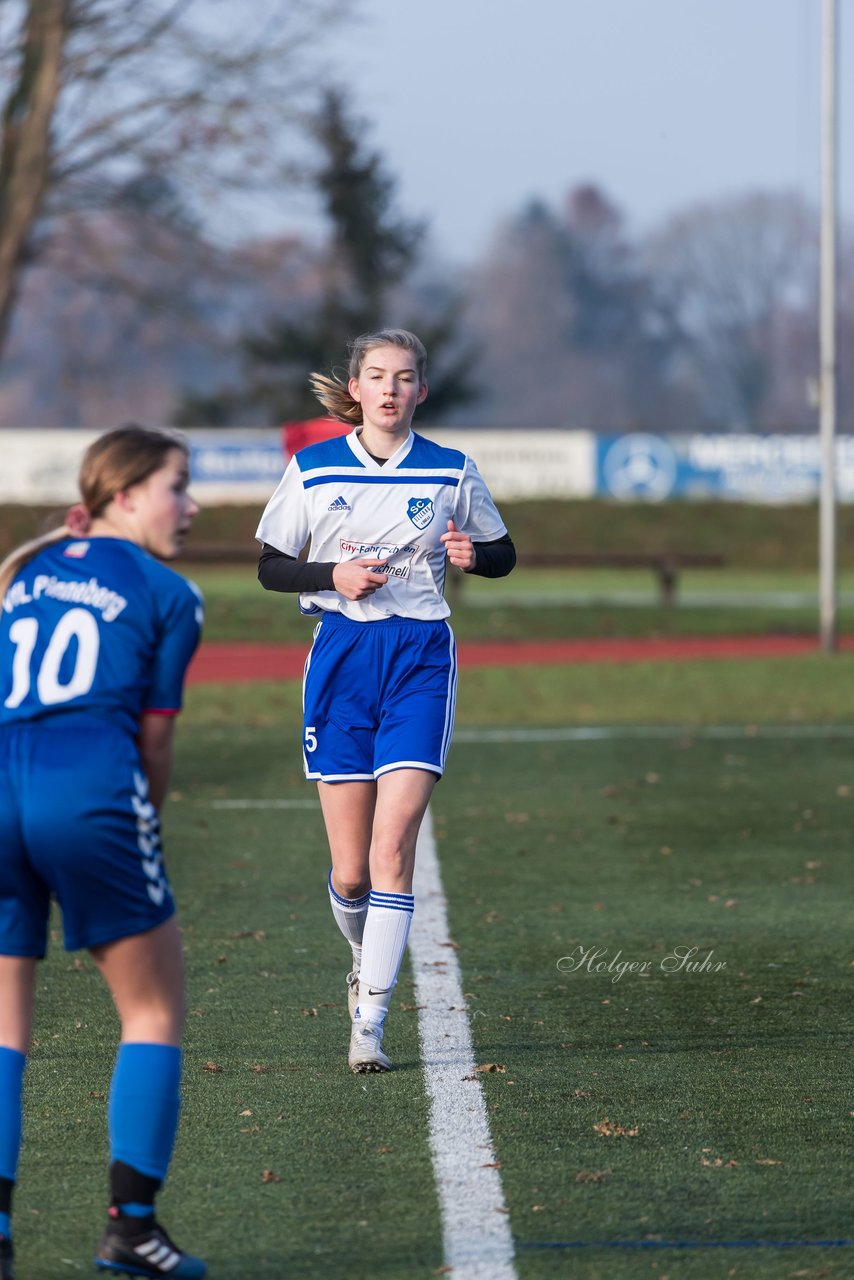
(386, 934)
(350, 915)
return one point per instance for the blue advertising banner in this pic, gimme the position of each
(748, 468)
(222, 456)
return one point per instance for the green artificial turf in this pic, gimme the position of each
(627, 851)
(287, 1165)
(758, 691)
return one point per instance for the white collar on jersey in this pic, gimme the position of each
(365, 458)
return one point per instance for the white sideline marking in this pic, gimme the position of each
(475, 1228)
(617, 733)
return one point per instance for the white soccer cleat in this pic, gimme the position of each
(366, 1048)
(353, 992)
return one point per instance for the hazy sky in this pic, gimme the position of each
(478, 105)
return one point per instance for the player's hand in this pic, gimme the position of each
(357, 579)
(459, 548)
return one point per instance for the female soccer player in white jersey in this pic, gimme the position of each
(384, 510)
(95, 638)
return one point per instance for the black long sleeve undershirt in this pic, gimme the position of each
(494, 559)
(278, 572)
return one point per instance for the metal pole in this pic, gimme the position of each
(827, 377)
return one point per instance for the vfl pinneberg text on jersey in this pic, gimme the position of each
(109, 603)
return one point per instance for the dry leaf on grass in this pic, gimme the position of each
(267, 1175)
(212, 1067)
(607, 1129)
(592, 1175)
(494, 1067)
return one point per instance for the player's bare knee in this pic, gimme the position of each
(350, 886)
(391, 864)
(154, 1021)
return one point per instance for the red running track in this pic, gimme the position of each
(242, 663)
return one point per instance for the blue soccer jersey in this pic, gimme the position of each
(354, 508)
(96, 625)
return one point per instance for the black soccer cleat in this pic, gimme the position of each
(7, 1259)
(140, 1247)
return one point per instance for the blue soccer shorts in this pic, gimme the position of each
(76, 824)
(378, 696)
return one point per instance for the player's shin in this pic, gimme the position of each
(386, 934)
(350, 916)
(144, 1109)
(12, 1064)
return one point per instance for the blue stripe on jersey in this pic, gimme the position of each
(426, 453)
(335, 452)
(390, 479)
(327, 453)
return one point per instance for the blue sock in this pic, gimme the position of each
(12, 1065)
(144, 1107)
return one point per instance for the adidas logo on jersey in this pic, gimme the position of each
(340, 504)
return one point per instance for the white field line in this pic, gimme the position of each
(628, 732)
(475, 1227)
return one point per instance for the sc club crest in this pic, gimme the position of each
(420, 512)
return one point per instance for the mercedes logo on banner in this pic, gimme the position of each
(640, 466)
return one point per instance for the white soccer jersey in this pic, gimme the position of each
(352, 507)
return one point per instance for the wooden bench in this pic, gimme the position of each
(666, 565)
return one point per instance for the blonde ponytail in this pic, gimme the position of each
(15, 560)
(336, 399)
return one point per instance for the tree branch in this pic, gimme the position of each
(25, 153)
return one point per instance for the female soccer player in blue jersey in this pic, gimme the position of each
(95, 639)
(384, 510)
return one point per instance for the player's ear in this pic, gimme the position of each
(422, 393)
(353, 388)
(123, 500)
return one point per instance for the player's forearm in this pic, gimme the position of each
(494, 559)
(278, 572)
(156, 738)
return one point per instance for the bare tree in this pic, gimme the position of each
(25, 153)
(741, 274)
(107, 99)
(572, 332)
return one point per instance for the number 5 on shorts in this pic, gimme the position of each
(310, 738)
